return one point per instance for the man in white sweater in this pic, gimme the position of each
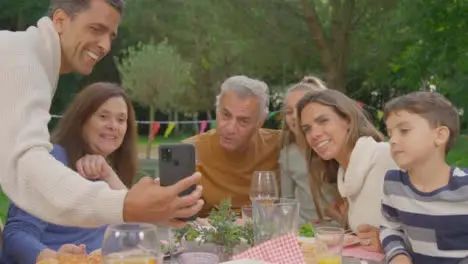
(74, 38)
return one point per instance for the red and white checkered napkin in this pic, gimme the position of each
(280, 250)
(358, 252)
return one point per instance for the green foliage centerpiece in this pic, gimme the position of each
(224, 232)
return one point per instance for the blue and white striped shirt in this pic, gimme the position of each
(428, 227)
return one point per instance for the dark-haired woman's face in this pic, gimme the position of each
(104, 131)
(325, 131)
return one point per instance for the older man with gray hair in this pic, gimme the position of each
(230, 154)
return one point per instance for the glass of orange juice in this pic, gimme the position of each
(329, 244)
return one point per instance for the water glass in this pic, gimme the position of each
(329, 241)
(135, 243)
(264, 186)
(246, 213)
(271, 220)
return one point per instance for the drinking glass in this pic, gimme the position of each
(198, 164)
(131, 243)
(271, 220)
(246, 213)
(329, 244)
(264, 187)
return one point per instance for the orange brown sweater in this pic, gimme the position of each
(227, 174)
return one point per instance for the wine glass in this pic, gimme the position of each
(264, 187)
(131, 243)
(198, 164)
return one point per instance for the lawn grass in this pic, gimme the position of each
(458, 156)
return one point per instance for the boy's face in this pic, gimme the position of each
(412, 140)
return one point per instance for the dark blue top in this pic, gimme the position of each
(429, 227)
(25, 236)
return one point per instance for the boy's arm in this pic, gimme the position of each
(391, 235)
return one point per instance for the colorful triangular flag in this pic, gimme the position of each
(154, 129)
(169, 129)
(203, 126)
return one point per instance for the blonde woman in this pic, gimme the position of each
(343, 147)
(294, 173)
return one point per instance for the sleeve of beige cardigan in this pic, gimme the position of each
(29, 175)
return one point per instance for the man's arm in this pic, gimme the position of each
(29, 175)
(391, 235)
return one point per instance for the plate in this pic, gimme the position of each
(349, 240)
(245, 261)
(97, 251)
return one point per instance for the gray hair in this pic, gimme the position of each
(244, 87)
(73, 7)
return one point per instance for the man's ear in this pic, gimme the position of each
(442, 136)
(262, 120)
(59, 19)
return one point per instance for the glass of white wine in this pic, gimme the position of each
(131, 243)
(264, 187)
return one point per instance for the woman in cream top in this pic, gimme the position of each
(345, 149)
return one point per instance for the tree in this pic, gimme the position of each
(20, 14)
(290, 39)
(194, 28)
(332, 34)
(154, 76)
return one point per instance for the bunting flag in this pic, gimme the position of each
(213, 124)
(154, 129)
(379, 114)
(169, 129)
(203, 126)
(272, 114)
(361, 104)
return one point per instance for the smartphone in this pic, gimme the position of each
(176, 162)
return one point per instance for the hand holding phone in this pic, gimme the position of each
(176, 162)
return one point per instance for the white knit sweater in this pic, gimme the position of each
(362, 182)
(33, 179)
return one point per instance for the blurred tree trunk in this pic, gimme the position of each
(334, 49)
(176, 120)
(195, 123)
(209, 117)
(150, 142)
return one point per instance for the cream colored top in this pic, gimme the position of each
(29, 175)
(362, 183)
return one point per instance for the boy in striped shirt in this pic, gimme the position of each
(425, 204)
